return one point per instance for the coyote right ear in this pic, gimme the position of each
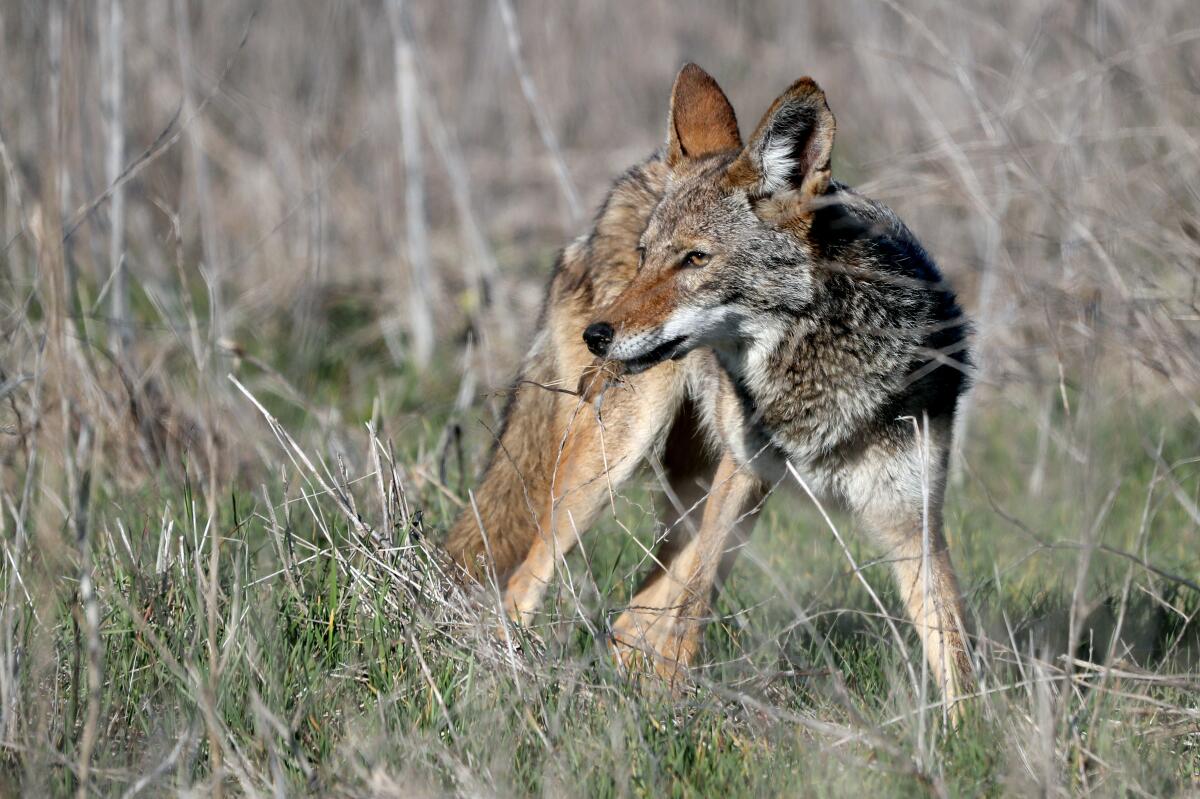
(791, 148)
(702, 121)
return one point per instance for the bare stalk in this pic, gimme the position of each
(209, 236)
(421, 289)
(485, 278)
(211, 591)
(113, 102)
(545, 130)
(79, 480)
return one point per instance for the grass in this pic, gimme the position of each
(275, 637)
(259, 638)
(292, 627)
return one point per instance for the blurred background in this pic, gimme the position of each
(354, 206)
(366, 184)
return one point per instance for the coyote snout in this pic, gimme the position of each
(648, 323)
(663, 315)
(636, 350)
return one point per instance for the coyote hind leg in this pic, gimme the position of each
(898, 489)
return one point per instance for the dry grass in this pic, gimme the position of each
(228, 585)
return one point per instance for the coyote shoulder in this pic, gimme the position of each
(739, 290)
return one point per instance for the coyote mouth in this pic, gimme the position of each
(665, 351)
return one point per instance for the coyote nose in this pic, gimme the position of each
(598, 336)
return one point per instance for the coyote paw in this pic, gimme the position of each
(521, 638)
(657, 649)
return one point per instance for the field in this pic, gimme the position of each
(267, 268)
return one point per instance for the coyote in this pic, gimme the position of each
(735, 295)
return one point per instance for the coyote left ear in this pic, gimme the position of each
(791, 148)
(702, 121)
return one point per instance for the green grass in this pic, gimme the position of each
(345, 668)
(323, 662)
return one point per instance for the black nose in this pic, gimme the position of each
(598, 336)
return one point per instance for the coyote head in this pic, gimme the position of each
(725, 257)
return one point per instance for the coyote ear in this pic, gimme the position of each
(702, 121)
(791, 147)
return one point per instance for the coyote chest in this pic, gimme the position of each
(811, 388)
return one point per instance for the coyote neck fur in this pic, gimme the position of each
(863, 353)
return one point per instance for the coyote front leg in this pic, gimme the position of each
(599, 453)
(662, 626)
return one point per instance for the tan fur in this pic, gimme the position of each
(647, 302)
(915, 544)
(557, 458)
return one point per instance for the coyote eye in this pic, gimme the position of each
(695, 259)
(641, 254)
